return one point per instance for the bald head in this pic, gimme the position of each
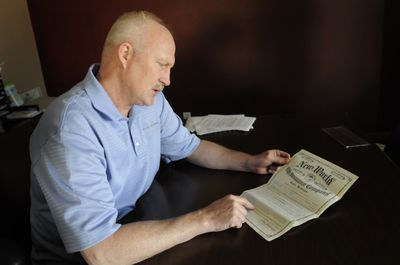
(137, 58)
(130, 27)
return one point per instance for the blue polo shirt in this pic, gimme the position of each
(90, 164)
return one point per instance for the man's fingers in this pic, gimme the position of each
(280, 157)
(227, 212)
(282, 154)
(244, 202)
(272, 169)
(238, 221)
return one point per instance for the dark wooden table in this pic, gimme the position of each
(359, 229)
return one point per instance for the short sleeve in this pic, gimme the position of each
(71, 174)
(176, 141)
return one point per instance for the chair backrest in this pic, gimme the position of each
(14, 192)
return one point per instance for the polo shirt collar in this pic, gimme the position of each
(99, 97)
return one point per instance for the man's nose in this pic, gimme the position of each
(166, 78)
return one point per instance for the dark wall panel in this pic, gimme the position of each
(237, 56)
(389, 115)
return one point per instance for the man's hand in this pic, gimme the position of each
(227, 212)
(215, 156)
(267, 162)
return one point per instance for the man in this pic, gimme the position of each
(97, 149)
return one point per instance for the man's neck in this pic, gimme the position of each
(110, 83)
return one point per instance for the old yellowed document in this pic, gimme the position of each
(300, 191)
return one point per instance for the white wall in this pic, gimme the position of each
(18, 47)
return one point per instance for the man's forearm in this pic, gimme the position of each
(214, 156)
(135, 242)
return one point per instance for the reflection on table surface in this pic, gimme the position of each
(359, 229)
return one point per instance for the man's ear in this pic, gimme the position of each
(125, 52)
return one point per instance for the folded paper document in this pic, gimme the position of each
(300, 191)
(218, 123)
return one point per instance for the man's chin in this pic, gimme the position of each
(149, 102)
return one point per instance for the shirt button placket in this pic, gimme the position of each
(136, 140)
(134, 143)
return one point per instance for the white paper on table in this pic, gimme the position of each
(218, 123)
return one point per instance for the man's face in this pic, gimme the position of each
(148, 70)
